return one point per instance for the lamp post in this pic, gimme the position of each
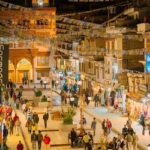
(81, 107)
(51, 90)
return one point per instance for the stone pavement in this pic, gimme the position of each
(118, 122)
(60, 137)
(57, 137)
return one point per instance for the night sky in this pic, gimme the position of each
(64, 6)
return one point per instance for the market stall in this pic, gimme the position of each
(137, 105)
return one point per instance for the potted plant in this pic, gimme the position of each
(38, 94)
(43, 102)
(67, 124)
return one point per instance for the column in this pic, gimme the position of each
(15, 72)
(33, 69)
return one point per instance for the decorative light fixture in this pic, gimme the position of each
(40, 2)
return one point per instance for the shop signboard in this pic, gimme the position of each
(147, 63)
(4, 51)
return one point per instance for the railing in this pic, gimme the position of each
(21, 45)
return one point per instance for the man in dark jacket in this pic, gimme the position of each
(73, 135)
(33, 140)
(5, 133)
(35, 118)
(39, 139)
(143, 126)
(124, 131)
(45, 118)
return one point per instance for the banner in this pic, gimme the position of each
(4, 57)
(147, 63)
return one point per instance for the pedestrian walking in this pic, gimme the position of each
(45, 118)
(35, 118)
(104, 126)
(96, 99)
(62, 94)
(89, 146)
(124, 131)
(17, 126)
(34, 127)
(33, 140)
(108, 126)
(39, 140)
(29, 124)
(86, 139)
(129, 140)
(73, 136)
(15, 118)
(135, 140)
(29, 114)
(41, 82)
(20, 146)
(129, 123)
(11, 126)
(84, 121)
(143, 126)
(5, 134)
(93, 126)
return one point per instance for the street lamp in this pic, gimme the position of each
(81, 107)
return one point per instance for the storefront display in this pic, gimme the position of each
(136, 106)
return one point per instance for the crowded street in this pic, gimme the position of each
(74, 74)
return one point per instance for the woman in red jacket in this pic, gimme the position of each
(20, 146)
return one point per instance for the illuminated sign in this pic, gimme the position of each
(147, 63)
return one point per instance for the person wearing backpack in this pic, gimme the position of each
(45, 118)
(39, 140)
(33, 140)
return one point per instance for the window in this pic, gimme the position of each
(42, 74)
(42, 22)
(43, 61)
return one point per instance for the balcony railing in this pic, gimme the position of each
(21, 45)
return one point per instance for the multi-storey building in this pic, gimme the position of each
(28, 58)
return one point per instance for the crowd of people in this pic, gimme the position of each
(69, 95)
(127, 140)
(12, 98)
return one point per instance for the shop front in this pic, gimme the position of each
(138, 105)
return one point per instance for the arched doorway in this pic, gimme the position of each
(11, 75)
(23, 70)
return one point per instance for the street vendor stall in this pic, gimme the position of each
(137, 105)
(5, 111)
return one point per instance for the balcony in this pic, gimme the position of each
(21, 45)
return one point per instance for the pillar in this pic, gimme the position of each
(33, 69)
(15, 72)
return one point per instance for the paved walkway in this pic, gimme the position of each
(57, 137)
(60, 137)
(118, 122)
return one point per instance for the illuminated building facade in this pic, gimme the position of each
(29, 59)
